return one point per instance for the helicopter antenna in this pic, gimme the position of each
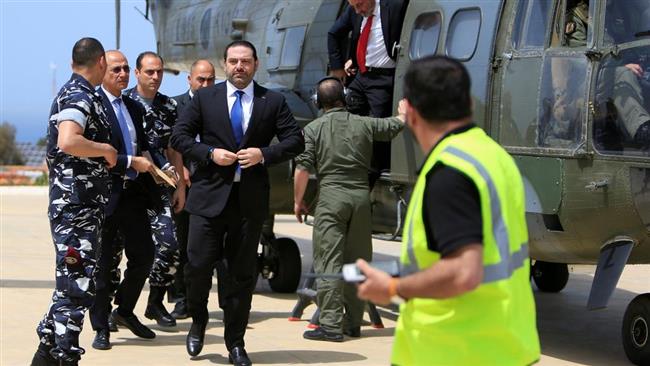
(117, 24)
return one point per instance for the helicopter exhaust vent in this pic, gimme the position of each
(552, 222)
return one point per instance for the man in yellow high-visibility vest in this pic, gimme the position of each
(465, 273)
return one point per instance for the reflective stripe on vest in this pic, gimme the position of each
(509, 262)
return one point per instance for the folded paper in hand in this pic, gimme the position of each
(165, 178)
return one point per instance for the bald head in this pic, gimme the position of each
(330, 94)
(116, 78)
(201, 75)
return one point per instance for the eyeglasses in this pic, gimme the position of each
(117, 69)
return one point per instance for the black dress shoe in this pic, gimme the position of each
(195, 337)
(354, 332)
(158, 313)
(112, 327)
(134, 325)
(102, 340)
(155, 308)
(238, 357)
(321, 334)
(43, 358)
(180, 310)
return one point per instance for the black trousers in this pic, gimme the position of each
(130, 218)
(371, 94)
(231, 239)
(182, 221)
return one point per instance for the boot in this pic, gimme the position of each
(155, 308)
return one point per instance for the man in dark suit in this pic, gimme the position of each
(201, 75)
(376, 26)
(127, 207)
(229, 200)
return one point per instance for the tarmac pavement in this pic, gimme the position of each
(570, 335)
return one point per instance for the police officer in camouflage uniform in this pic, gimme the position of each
(78, 157)
(160, 117)
(338, 148)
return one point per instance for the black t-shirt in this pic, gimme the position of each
(452, 208)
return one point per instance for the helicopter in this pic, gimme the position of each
(562, 111)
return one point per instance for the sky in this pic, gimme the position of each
(36, 36)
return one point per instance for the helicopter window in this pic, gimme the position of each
(577, 28)
(462, 35)
(425, 35)
(626, 21)
(531, 24)
(562, 102)
(292, 48)
(622, 102)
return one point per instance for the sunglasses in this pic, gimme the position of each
(117, 69)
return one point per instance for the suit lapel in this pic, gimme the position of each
(221, 105)
(385, 23)
(117, 139)
(259, 103)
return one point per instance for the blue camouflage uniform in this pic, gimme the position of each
(160, 117)
(79, 189)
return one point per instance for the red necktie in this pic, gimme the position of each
(362, 45)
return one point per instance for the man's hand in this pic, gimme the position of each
(110, 155)
(223, 157)
(141, 164)
(339, 74)
(349, 70)
(636, 69)
(178, 198)
(300, 209)
(249, 157)
(376, 286)
(401, 109)
(170, 171)
(186, 177)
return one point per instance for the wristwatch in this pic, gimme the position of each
(210, 150)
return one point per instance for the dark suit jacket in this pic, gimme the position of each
(182, 102)
(392, 17)
(208, 116)
(146, 182)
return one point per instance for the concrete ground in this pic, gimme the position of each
(570, 335)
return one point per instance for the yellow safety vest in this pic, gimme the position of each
(495, 323)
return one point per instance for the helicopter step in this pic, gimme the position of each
(307, 296)
(550, 277)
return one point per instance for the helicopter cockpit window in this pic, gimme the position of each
(531, 24)
(292, 47)
(562, 102)
(462, 35)
(577, 30)
(622, 102)
(425, 35)
(626, 21)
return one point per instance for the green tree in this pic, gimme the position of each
(9, 154)
(42, 142)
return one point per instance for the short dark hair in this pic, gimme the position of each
(239, 43)
(438, 87)
(330, 93)
(138, 61)
(86, 52)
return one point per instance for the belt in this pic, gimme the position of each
(380, 71)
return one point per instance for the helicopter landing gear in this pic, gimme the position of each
(550, 277)
(635, 330)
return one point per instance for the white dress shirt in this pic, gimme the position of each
(247, 108)
(129, 123)
(376, 54)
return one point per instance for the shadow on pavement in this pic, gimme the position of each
(570, 332)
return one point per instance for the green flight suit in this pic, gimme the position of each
(338, 148)
(615, 81)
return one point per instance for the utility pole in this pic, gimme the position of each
(53, 68)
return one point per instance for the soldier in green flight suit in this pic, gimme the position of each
(338, 148)
(619, 79)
